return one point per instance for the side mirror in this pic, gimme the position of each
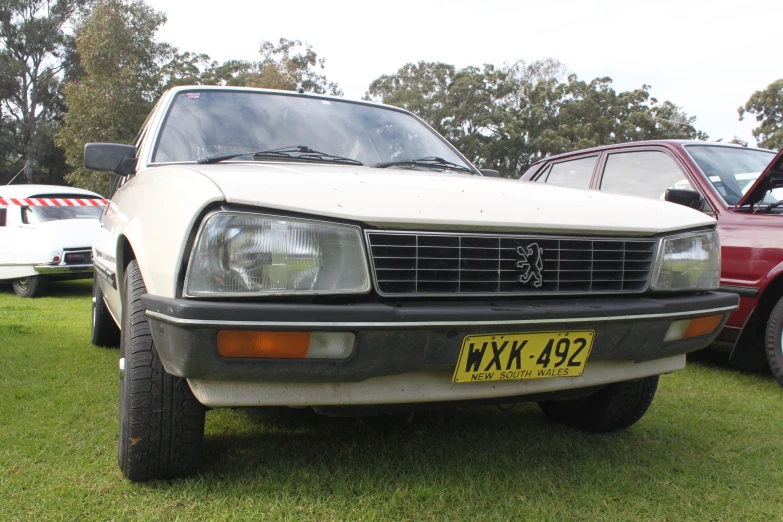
(688, 198)
(110, 157)
(490, 173)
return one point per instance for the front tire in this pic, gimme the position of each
(31, 286)
(773, 341)
(161, 422)
(104, 330)
(614, 407)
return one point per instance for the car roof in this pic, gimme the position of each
(185, 88)
(640, 144)
(28, 191)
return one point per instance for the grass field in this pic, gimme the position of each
(710, 448)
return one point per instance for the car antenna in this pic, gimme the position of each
(15, 176)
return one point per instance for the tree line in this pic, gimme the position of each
(75, 71)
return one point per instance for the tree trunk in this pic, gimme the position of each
(28, 168)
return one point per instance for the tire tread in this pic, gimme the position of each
(773, 344)
(614, 407)
(165, 421)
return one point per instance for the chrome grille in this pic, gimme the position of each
(431, 263)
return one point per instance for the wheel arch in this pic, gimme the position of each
(125, 254)
(748, 350)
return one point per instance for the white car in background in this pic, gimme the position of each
(46, 234)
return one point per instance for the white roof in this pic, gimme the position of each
(29, 191)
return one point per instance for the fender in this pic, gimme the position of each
(154, 211)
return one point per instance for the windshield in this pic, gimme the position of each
(32, 215)
(204, 124)
(733, 171)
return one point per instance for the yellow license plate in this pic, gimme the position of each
(515, 356)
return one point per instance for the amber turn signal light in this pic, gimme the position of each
(687, 328)
(285, 345)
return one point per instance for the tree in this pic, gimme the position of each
(767, 106)
(286, 65)
(509, 118)
(123, 65)
(33, 44)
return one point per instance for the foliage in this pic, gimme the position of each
(767, 107)
(122, 61)
(285, 65)
(33, 50)
(508, 118)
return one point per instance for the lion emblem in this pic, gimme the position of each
(532, 263)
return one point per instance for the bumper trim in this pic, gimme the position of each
(415, 387)
(179, 321)
(62, 269)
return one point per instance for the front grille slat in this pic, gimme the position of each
(406, 263)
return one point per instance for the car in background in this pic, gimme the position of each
(46, 234)
(738, 186)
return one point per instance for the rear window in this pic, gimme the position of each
(32, 215)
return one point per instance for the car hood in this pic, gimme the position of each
(69, 233)
(448, 201)
(770, 178)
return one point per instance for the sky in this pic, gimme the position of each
(708, 57)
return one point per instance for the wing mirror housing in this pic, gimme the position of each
(688, 198)
(490, 173)
(110, 157)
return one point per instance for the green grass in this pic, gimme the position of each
(709, 449)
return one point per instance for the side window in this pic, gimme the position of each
(532, 170)
(2, 216)
(644, 173)
(574, 173)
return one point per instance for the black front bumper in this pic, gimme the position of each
(404, 337)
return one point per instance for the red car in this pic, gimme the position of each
(740, 187)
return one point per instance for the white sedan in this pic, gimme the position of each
(270, 248)
(46, 234)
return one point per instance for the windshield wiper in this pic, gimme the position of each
(768, 208)
(297, 151)
(432, 162)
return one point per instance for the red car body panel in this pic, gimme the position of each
(751, 243)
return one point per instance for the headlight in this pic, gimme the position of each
(688, 262)
(251, 254)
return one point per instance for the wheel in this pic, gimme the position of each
(773, 341)
(161, 422)
(32, 286)
(104, 330)
(614, 407)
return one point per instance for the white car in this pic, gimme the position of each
(46, 234)
(270, 248)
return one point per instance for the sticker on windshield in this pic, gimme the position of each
(194, 95)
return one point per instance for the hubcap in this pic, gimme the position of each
(23, 283)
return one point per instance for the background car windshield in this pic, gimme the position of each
(32, 215)
(732, 171)
(206, 123)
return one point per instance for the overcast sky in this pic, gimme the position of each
(706, 56)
